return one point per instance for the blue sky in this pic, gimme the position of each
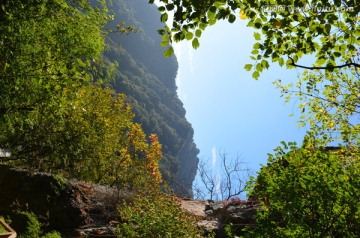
(231, 112)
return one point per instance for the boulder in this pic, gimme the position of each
(218, 214)
(61, 205)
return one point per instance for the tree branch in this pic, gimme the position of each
(325, 67)
(336, 104)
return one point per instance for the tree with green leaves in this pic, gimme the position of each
(45, 47)
(306, 192)
(49, 49)
(286, 30)
(284, 33)
(56, 115)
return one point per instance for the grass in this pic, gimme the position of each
(2, 229)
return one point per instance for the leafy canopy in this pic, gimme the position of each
(285, 31)
(323, 201)
(305, 191)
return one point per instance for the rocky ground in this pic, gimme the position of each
(86, 210)
(214, 216)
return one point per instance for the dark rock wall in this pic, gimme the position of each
(61, 205)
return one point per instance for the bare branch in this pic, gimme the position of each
(234, 183)
(229, 182)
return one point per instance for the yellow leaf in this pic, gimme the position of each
(242, 15)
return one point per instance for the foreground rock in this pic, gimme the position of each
(73, 208)
(214, 216)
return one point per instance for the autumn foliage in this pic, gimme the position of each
(153, 157)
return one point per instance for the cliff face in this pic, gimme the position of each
(148, 79)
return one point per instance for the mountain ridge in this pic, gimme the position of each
(148, 80)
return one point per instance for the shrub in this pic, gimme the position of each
(155, 215)
(308, 192)
(33, 229)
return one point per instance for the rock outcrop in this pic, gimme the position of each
(70, 207)
(78, 209)
(214, 216)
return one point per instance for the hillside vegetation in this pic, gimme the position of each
(63, 109)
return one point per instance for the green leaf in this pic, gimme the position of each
(169, 52)
(170, 7)
(164, 43)
(195, 43)
(265, 64)
(328, 28)
(211, 13)
(165, 38)
(257, 36)
(259, 67)
(256, 46)
(189, 35)
(213, 9)
(281, 61)
(248, 67)
(161, 9)
(164, 17)
(232, 18)
(219, 4)
(320, 62)
(198, 33)
(254, 52)
(212, 21)
(258, 25)
(202, 26)
(256, 75)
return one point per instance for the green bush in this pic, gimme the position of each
(308, 192)
(33, 229)
(53, 234)
(155, 216)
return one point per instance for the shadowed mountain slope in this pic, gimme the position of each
(148, 79)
